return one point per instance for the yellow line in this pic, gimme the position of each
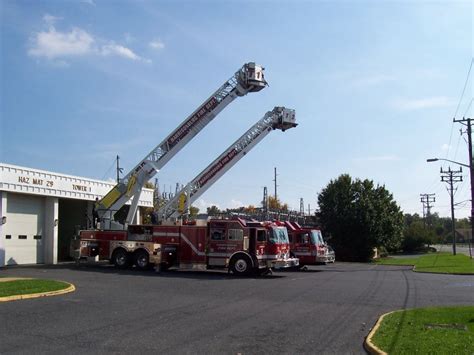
(368, 345)
(71, 288)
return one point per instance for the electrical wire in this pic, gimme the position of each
(468, 107)
(108, 170)
(464, 89)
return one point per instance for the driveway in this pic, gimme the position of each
(328, 309)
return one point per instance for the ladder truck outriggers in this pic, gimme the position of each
(250, 78)
(240, 246)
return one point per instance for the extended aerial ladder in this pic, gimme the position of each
(279, 118)
(249, 78)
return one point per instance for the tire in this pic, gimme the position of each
(142, 259)
(241, 265)
(120, 259)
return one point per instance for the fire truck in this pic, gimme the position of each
(241, 247)
(308, 245)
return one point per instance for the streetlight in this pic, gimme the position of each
(471, 173)
(451, 161)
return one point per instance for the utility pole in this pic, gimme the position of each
(275, 180)
(467, 122)
(119, 169)
(426, 200)
(451, 177)
(265, 202)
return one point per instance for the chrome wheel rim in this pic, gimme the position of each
(241, 265)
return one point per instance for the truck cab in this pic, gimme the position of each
(308, 245)
(245, 247)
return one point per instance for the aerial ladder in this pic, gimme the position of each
(250, 78)
(279, 118)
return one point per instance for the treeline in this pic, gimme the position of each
(358, 217)
(433, 229)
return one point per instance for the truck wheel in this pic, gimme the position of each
(142, 260)
(241, 265)
(120, 259)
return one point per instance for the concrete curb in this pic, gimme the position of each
(368, 345)
(69, 289)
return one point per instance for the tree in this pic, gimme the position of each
(213, 210)
(416, 236)
(274, 204)
(358, 217)
(193, 211)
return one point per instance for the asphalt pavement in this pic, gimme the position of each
(326, 310)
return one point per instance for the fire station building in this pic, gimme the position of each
(41, 210)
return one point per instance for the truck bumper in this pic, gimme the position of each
(325, 259)
(284, 263)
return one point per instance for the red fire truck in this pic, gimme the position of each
(239, 246)
(307, 244)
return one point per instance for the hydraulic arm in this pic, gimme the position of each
(249, 78)
(279, 118)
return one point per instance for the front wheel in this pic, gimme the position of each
(120, 259)
(241, 265)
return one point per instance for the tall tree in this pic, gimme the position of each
(359, 217)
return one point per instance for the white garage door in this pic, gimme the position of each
(23, 232)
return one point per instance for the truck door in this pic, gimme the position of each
(252, 241)
(303, 246)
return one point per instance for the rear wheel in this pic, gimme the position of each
(121, 259)
(241, 265)
(142, 259)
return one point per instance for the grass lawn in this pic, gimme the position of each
(438, 330)
(437, 262)
(22, 287)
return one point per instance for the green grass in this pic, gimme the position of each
(444, 263)
(23, 287)
(440, 330)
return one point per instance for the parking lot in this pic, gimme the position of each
(327, 309)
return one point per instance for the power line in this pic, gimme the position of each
(464, 89)
(468, 107)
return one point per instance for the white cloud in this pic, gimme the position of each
(157, 44)
(445, 147)
(56, 45)
(235, 203)
(53, 44)
(203, 205)
(417, 104)
(121, 51)
(50, 19)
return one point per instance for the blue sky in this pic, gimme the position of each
(375, 85)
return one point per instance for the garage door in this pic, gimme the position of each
(23, 232)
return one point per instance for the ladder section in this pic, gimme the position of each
(279, 118)
(249, 78)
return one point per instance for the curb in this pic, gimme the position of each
(69, 289)
(368, 345)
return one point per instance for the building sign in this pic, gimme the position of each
(39, 182)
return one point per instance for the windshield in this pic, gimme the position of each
(279, 235)
(317, 237)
